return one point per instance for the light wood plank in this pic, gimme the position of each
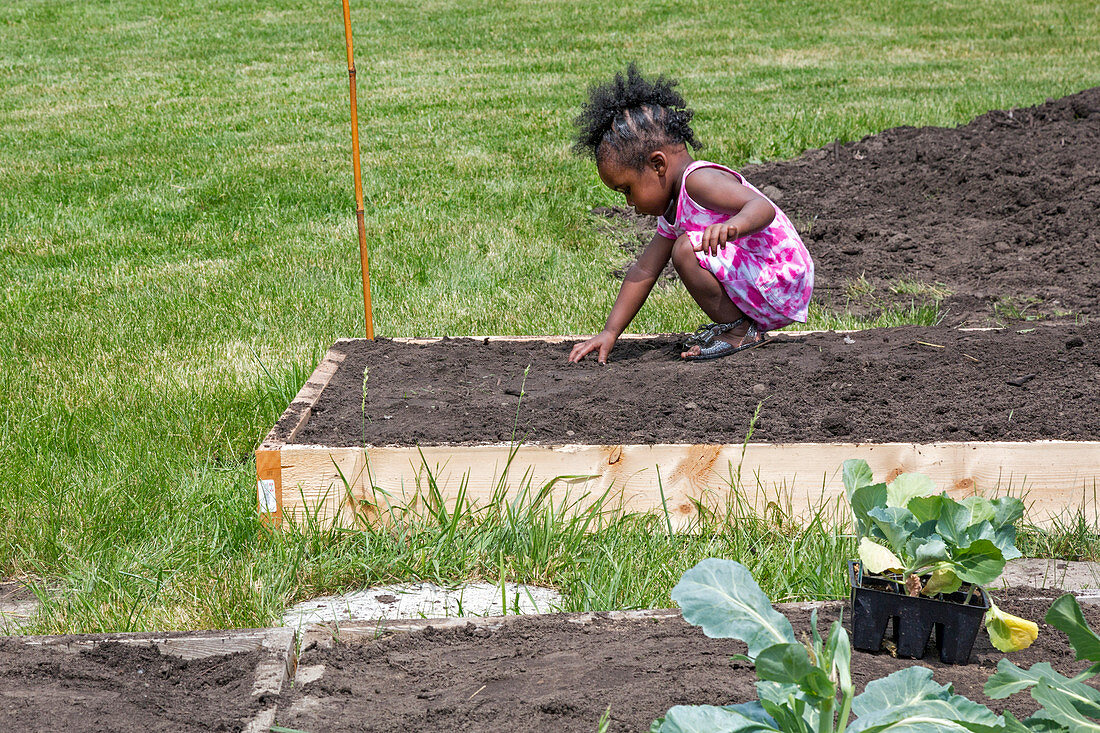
(297, 413)
(1056, 478)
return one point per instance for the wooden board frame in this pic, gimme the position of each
(350, 486)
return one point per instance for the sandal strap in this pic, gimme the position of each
(754, 333)
(706, 333)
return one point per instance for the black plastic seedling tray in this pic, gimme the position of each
(876, 601)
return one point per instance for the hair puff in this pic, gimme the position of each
(630, 116)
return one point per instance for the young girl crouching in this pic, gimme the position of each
(737, 254)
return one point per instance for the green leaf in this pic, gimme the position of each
(981, 509)
(1007, 510)
(776, 692)
(926, 508)
(791, 664)
(788, 706)
(856, 474)
(1065, 709)
(1040, 722)
(862, 501)
(933, 550)
(896, 523)
(910, 700)
(1065, 615)
(1007, 632)
(983, 530)
(722, 597)
(817, 642)
(878, 559)
(908, 486)
(1010, 679)
(954, 521)
(1005, 538)
(711, 719)
(921, 535)
(981, 563)
(838, 649)
(902, 688)
(752, 710)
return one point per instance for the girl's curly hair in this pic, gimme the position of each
(629, 117)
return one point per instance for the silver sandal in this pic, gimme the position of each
(711, 347)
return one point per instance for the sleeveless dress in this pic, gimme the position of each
(769, 275)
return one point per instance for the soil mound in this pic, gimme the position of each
(122, 687)
(1003, 213)
(548, 673)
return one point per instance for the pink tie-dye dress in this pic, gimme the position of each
(769, 275)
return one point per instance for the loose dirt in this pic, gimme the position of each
(544, 673)
(907, 384)
(122, 687)
(1003, 213)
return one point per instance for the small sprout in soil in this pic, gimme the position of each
(1018, 309)
(859, 288)
(604, 723)
(935, 291)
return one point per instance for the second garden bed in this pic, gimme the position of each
(1003, 410)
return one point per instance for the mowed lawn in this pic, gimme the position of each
(178, 248)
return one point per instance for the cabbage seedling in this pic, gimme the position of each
(907, 529)
(805, 687)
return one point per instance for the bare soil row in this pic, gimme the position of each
(910, 384)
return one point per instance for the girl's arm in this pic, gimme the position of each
(638, 282)
(721, 191)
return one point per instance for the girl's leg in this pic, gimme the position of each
(707, 292)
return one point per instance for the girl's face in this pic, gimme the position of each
(646, 189)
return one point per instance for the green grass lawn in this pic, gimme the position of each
(177, 248)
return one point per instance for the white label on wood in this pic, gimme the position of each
(266, 489)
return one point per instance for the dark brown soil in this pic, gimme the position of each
(14, 591)
(903, 384)
(546, 673)
(1002, 211)
(122, 687)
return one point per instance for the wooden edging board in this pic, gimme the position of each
(350, 485)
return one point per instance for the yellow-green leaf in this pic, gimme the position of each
(1007, 632)
(942, 580)
(878, 559)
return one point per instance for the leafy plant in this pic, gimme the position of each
(934, 543)
(1067, 702)
(799, 683)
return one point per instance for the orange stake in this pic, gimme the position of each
(364, 260)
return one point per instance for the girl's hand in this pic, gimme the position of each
(715, 237)
(601, 343)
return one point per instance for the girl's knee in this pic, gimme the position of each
(683, 254)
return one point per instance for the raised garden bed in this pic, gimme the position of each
(562, 672)
(977, 411)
